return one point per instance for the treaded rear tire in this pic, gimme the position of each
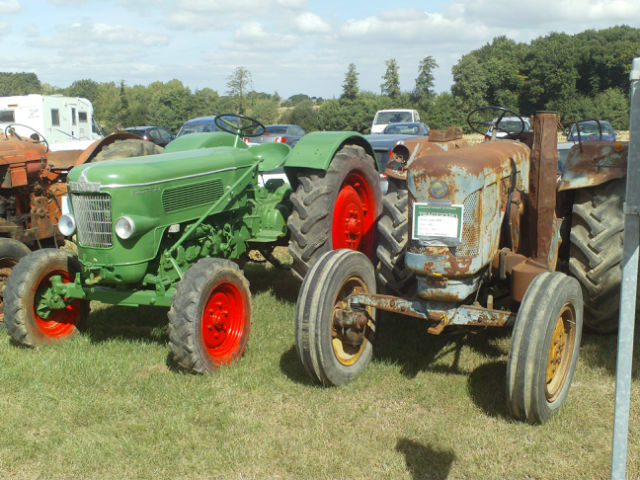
(597, 224)
(11, 251)
(126, 149)
(393, 233)
(311, 225)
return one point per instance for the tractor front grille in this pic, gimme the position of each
(93, 219)
(470, 242)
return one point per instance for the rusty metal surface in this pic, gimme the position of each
(522, 275)
(593, 163)
(542, 186)
(98, 145)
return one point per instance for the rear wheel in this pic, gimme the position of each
(334, 341)
(393, 232)
(335, 209)
(11, 251)
(597, 225)
(544, 347)
(126, 149)
(210, 315)
(29, 318)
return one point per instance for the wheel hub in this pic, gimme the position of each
(560, 352)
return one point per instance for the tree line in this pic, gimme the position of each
(578, 76)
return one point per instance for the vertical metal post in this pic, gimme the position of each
(629, 285)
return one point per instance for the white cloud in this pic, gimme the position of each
(71, 3)
(4, 28)
(101, 34)
(252, 37)
(309, 22)
(10, 6)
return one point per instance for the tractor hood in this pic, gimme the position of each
(154, 169)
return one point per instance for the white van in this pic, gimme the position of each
(65, 122)
(385, 117)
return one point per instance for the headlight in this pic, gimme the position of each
(125, 228)
(67, 225)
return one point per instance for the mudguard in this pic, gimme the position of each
(317, 149)
(593, 163)
(95, 148)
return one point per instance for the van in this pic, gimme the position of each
(385, 117)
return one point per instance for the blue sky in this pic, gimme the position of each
(289, 46)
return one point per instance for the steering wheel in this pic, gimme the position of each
(11, 129)
(246, 126)
(496, 114)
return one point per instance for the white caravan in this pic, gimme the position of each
(66, 123)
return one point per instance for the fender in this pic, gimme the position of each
(193, 141)
(317, 149)
(593, 163)
(95, 148)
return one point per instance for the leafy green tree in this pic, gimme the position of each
(303, 114)
(205, 102)
(470, 82)
(350, 84)
(19, 84)
(238, 84)
(423, 92)
(171, 104)
(264, 110)
(390, 85)
(83, 88)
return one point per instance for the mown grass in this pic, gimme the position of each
(110, 403)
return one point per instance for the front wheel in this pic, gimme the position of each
(335, 209)
(544, 347)
(210, 315)
(29, 318)
(334, 340)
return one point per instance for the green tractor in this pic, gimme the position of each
(165, 229)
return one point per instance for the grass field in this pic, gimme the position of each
(110, 403)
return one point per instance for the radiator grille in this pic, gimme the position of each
(93, 219)
(470, 246)
(191, 195)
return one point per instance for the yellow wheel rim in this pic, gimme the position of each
(346, 353)
(561, 350)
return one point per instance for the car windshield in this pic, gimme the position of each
(392, 117)
(136, 131)
(275, 129)
(197, 128)
(510, 125)
(591, 129)
(402, 129)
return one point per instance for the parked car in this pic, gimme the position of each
(203, 124)
(383, 143)
(591, 130)
(289, 134)
(385, 117)
(508, 126)
(158, 135)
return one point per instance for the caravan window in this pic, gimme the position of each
(55, 117)
(7, 116)
(82, 117)
(73, 116)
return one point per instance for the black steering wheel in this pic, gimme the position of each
(10, 129)
(245, 126)
(496, 114)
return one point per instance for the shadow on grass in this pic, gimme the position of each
(601, 351)
(264, 277)
(487, 388)
(406, 342)
(424, 461)
(290, 365)
(146, 324)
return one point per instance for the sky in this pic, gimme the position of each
(288, 46)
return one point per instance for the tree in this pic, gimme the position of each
(83, 88)
(238, 83)
(423, 91)
(19, 84)
(303, 115)
(350, 84)
(390, 85)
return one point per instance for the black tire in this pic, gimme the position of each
(318, 200)
(11, 251)
(393, 233)
(544, 347)
(126, 149)
(220, 286)
(320, 344)
(27, 283)
(597, 225)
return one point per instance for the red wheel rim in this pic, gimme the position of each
(354, 215)
(61, 323)
(223, 322)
